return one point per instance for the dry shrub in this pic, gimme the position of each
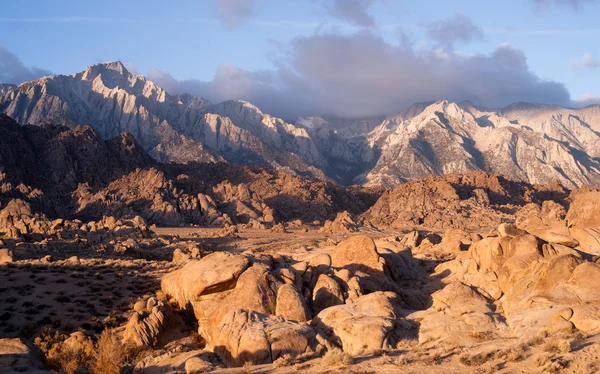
(557, 365)
(477, 359)
(488, 369)
(283, 361)
(434, 358)
(109, 354)
(61, 357)
(336, 357)
(535, 341)
(513, 354)
(482, 335)
(542, 360)
(558, 346)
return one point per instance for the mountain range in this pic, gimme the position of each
(537, 143)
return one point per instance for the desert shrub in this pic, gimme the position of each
(513, 354)
(535, 341)
(109, 355)
(557, 346)
(283, 361)
(477, 359)
(337, 357)
(482, 335)
(61, 357)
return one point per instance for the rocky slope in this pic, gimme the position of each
(535, 143)
(72, 173)
(468, 201)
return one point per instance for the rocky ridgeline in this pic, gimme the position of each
(74, 174)
(472, 200)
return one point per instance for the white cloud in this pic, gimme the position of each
(587, 61)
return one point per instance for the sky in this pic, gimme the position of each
(350, 58)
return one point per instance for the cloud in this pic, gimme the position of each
(572, 3)
(458, 28)
(355, 12)
(587, 99)
(234, 13)
(587, 61)
(12, 69)
(361, 74)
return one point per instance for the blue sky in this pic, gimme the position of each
(188, 41)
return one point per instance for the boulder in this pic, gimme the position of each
(243, 336)
(326, 293)
(216, 272)
(175, 361)
(180, 257)
(358, 250)
(291, 304)
(145, 325)
(584, 211)
(255, 290)
(6, 256)
(368, 325)
(457, 312)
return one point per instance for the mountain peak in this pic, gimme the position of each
(111, 70)
(117, 66)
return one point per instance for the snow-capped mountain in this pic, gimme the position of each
(535, 142)
(171, 128)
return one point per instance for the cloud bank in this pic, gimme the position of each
(361, 75)
(12, 70)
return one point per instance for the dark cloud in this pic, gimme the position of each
(458, 28)
(355, 12)
(362, 74)
(234, 13)
(12, 69)
(587, 61)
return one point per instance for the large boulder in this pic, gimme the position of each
(243, 336)
(457, 313)
(369, 324)
(291, 304)
(584, 211)
(216, 272)
(356, 251)
(326, 293)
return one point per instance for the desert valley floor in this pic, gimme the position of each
(434, 322)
